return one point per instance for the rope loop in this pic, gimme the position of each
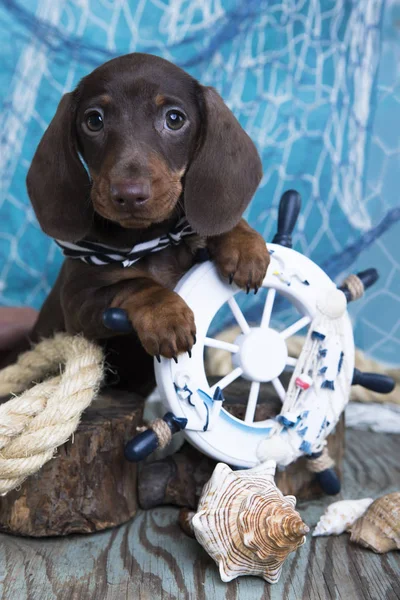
(34, 424)
(162, 431)
(316, 465)
(355, 286)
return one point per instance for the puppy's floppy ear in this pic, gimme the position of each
(58, 185)
(224, 174)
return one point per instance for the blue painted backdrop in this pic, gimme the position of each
(315, 84)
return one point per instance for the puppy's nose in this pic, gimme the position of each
(130, 193)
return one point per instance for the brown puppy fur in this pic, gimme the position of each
(207, 169)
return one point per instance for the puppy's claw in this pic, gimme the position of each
(231, 278)
(175, 359)
(256, 288)
(247, 288)
(194, 338)
(158, 358)
(190, 353)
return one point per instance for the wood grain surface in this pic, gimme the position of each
(87, 486)
(150, 558)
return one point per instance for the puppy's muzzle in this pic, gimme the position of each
(129, 195)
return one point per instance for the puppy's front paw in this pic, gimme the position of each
(165, 328)
(243, 259)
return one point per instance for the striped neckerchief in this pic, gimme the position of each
(94, 253)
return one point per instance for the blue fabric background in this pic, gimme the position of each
(315, 84)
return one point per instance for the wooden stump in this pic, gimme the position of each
(88, 486)
(179, 479)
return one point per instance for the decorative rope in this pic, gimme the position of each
(162, 431)
(355, 286)
(33, 425)
(316, 465)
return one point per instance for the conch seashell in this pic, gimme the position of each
(246, 524)
(379, 527)
(340, 516)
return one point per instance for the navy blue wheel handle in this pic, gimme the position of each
(328, 479)
(329, 482)
(142, 445)
(289, 209)
(382, 384)
(367, 277)
(117, 320)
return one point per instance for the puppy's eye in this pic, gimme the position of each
(94, 121)
(174, 119)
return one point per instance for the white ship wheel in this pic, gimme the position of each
(260, 355)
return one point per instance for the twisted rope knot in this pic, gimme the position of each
(316, 465)
(33, 425)
(162, 431)
(355, 286)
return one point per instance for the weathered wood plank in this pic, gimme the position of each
(150, 558)
(87, 486)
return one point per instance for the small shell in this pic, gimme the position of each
(340, 516)
(246, 524)
(379, 528)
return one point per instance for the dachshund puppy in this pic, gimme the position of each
(139, 147)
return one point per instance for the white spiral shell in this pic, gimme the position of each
(340, 516)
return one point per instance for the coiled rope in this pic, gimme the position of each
(34, 424)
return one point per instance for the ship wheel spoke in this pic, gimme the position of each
(239, 316)
(225, 381)
(221, 345)
(252, 402)
(291, 361)
(280, 390)
(297, 326)
(268, 306)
